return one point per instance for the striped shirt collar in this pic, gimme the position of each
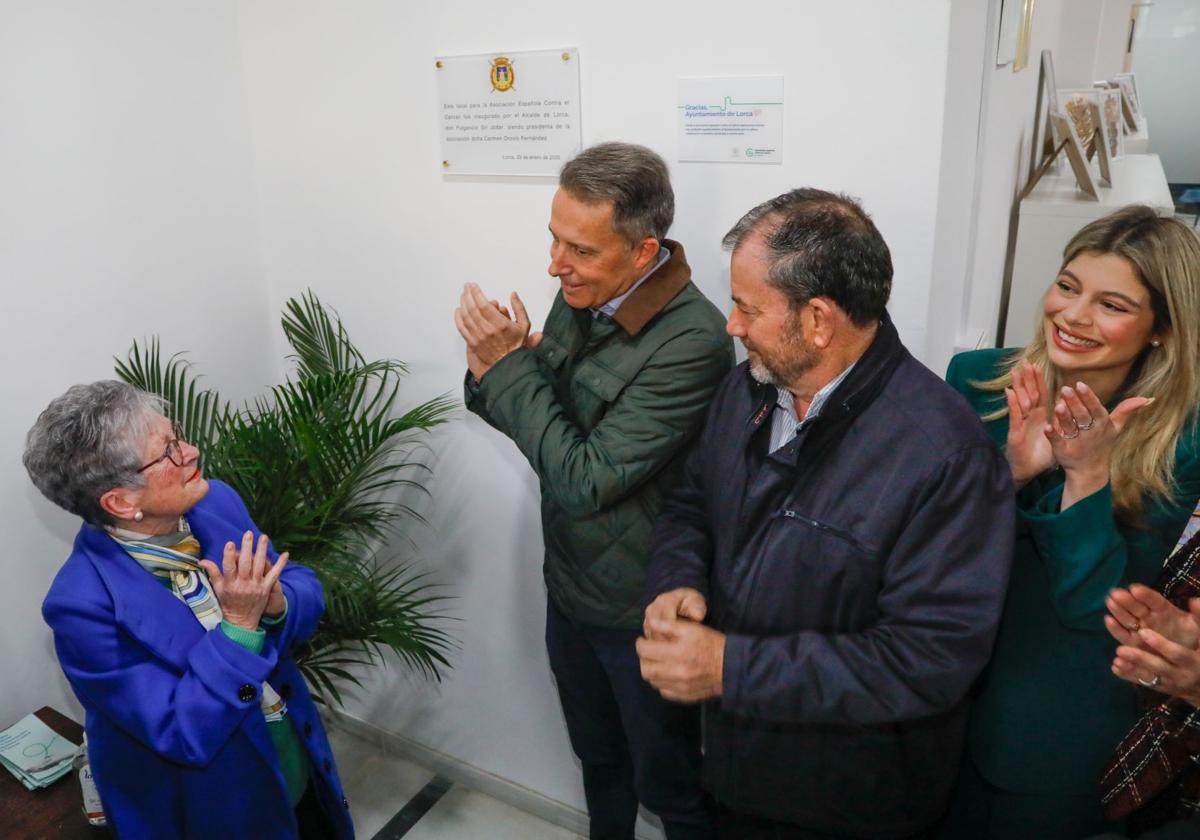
(785, 423)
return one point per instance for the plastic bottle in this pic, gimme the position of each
(93, 809)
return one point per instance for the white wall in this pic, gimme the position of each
(126, 209)
(1112, 36)
(1077, 48)
(967, 285)
(1166, 61)
(973, 254)
(353, 204)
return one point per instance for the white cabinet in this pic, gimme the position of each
(1054, 212)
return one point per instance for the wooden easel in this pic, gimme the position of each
(1041, 170)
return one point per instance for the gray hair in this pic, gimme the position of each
(89, 441)
(822, 244)
(633, 178)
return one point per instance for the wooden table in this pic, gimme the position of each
(52, 813)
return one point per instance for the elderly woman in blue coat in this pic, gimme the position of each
(173, 620)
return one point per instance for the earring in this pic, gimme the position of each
(1156, 343)
(137, 517)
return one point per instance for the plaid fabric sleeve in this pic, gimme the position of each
(1157, 766)
(1161, 746)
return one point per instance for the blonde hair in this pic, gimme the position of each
(1165, 254)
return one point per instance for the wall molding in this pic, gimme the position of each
(460, 772)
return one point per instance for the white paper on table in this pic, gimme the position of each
(34, 752)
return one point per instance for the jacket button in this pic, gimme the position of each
(345, 804)
(285, 691)
(247, 693)
(308, 729)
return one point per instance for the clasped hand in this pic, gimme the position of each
(1158, 641)
(489, 330)
(682, 658)
(247, 584)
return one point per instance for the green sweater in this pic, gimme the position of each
(603, 410)
(293, 760)
(1050, 712)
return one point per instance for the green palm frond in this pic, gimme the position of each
(321, 343)
(199, 411)
(329, 468)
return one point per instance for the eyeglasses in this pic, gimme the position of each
(173, 452)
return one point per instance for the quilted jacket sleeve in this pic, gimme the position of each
(643, 428)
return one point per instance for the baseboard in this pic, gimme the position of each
(467, 775)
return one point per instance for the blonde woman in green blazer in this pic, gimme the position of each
(1098, 418)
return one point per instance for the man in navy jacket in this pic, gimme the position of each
(829, 574)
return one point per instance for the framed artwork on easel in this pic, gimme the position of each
(1064, 135)
(1095, 115)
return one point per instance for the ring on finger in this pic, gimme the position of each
(1083, 427)
(1066, 436)
(1150, 683)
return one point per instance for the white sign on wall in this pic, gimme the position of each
(515, 113)
(732, 119)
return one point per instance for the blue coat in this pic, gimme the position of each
(178, 745)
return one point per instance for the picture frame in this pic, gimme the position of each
(1127, 82)
(1111, 125)
(1086, 108)
(1064, 130)
(1131, 123)
(1007, 37)
(1081, 105)
(1047, 103)
(1015, 32)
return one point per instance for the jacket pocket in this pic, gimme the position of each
(815, 575)
(594, 388)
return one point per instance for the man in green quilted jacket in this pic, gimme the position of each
(603, 402)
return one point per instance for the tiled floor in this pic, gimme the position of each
(380, 785)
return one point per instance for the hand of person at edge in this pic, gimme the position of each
(244, 583)
(1028, 451)
(1129, 610)
(1162, 664)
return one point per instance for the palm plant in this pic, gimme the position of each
(324, 465)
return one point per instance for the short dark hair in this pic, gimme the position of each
(633, 178)
(822, 244)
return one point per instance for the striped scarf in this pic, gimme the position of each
(174, 558)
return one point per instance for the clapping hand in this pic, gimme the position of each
(1028, 450)
(246, 581)
(1082, 434)
(490, 332)
(1158, 640)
